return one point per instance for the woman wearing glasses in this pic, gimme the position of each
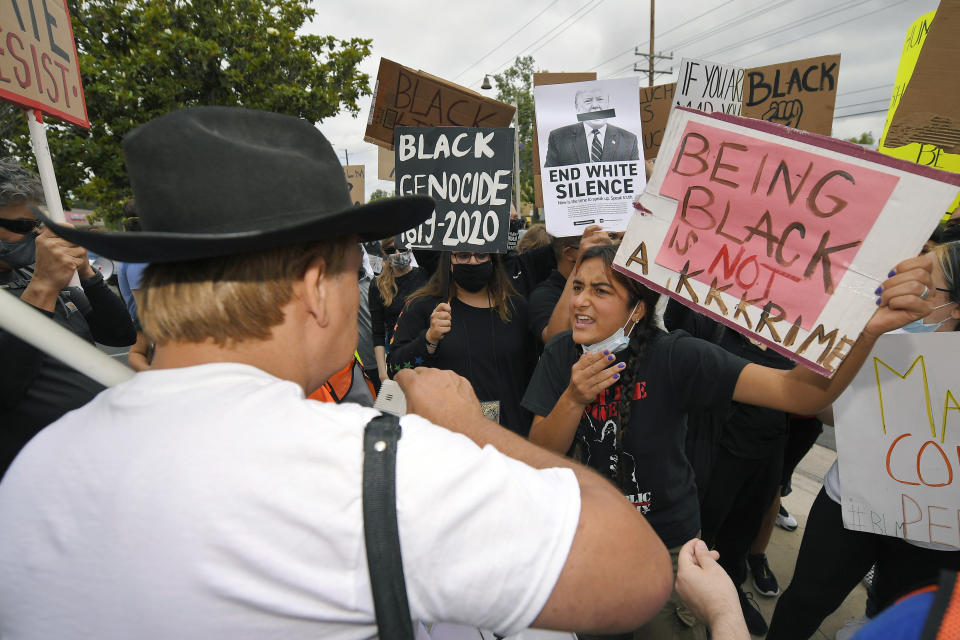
(480, 333)
(397, 280)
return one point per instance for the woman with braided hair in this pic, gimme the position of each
(615, 392)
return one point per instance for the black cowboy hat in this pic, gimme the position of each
(214, 181)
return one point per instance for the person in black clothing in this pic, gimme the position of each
(36, 266)
(397, 280)
(615, 392)
(747, 467)
(480, 334)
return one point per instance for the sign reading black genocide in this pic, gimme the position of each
(469, 174)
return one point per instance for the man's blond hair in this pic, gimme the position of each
(228, 299)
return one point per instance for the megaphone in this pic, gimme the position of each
(104, 265)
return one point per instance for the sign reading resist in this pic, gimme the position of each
(468, 173)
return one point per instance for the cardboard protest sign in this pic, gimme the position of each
(779, 234)
(929, 111)
(923, 153)
(38, 60)
(354, 173)
(709, 87)
(385, 164)
(406, 97)
(799, 94)
(655, 105)
(469, 174)
(541, 79)
(590, 169)
(898, 432)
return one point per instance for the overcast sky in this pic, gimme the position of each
(462, 41)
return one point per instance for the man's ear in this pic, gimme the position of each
(316, 283)
(955, 312)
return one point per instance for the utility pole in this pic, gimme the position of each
(347, 153)
(651, 57)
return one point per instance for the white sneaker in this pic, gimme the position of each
(850, 627)
(785, 520)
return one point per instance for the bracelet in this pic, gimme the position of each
(431, 345)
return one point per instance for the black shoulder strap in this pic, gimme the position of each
(380, 528)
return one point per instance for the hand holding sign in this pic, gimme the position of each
(785, 112)
(903, 296)
(440, 323)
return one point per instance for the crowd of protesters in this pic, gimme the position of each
(699, 427)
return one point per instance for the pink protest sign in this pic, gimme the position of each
(771, 224)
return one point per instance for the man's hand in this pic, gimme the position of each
(900, 301)
(707, 590)
(590, 375)
(439, 395)
(58, 260)
(440, 325)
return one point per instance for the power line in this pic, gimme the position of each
(743, 17)
(794, 25)
(564, 29)
(801, 37)
(668, 31)
(860, 104)
(550, 32)
(507, 39)
(862, 113)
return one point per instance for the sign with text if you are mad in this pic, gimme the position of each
(468, 172)
(779, 234)
(898, 436)
(38, 60)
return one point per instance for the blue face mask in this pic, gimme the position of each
(615, 343)
(21, 253)
(917, 326)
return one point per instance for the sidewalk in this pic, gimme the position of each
(784, 545)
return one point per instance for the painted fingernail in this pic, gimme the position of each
(892, 273)
(616, 376)
(878, 291)
(606, 352)
(611, 358)
(878, 302)
(621, 366)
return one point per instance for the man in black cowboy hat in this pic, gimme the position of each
(207, 498)
(36, 266)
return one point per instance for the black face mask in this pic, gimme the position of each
(473, 277)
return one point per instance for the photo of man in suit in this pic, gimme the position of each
(591, 140)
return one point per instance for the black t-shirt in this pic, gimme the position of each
(544, 300)
(497, 357)
(383, 318)
(750, 432)
(677, 373)
(527, 270)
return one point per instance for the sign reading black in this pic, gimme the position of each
(469, 174)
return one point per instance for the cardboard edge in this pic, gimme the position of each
(833, 144)
(809, 364)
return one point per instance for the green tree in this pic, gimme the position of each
(515, 85)
(380, 194)
(141, 58)
(866, 138)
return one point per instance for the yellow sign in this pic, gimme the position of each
(925, 154)
(38, 60)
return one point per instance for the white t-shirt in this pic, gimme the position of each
(215, 501)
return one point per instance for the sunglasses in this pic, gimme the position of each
(20, 225)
